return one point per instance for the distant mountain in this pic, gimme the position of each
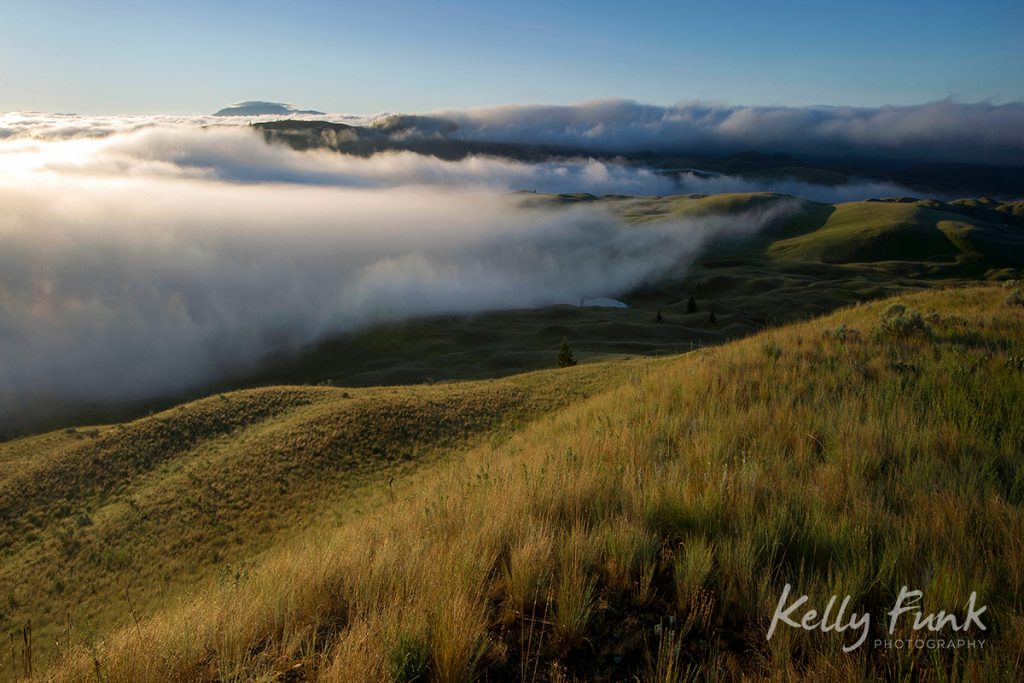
(258, 108)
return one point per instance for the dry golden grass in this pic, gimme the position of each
(98, 524)
(647, 532)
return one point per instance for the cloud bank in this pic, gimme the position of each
(159, 258)
(943, 131)
(239, 154)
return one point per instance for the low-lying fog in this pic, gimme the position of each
(149, 259)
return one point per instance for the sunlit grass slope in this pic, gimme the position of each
(861, 232)
(978, 233)
(96, 523)
(647, 532)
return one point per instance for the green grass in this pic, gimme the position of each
(648, 531)
(867, 232)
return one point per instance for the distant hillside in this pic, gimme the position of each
(258, 108)
(441, 138)
(972, 235)
(911, 231)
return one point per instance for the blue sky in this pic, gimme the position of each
(401, 55)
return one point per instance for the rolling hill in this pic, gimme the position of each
(95, 519)
(644, 531)
(983, 234)
(866, 232)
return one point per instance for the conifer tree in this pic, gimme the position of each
(565, 357)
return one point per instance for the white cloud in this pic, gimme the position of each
(143, 256)
(946, 131)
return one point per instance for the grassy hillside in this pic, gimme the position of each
(977, 235)
(864, 232)
(648, 531)
(98, 522)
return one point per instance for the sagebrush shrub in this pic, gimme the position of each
(902, 322)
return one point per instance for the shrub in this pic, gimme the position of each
(691, 305)
(902, 322)
(712, 318)
(938, 320)
(842, 333)
(1014, 298)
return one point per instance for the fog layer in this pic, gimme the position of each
(146, 262)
